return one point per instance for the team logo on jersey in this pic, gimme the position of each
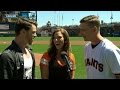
(94, 63)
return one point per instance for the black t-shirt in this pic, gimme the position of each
(58, 72)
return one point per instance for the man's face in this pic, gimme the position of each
(31, 34)
(86, 32)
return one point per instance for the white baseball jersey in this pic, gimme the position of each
(103, 61)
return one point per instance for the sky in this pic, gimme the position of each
(62, 18)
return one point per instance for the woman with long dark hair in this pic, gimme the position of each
(52, 64)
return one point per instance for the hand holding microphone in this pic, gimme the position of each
(64, 56)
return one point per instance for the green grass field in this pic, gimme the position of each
(78, 51)
(47, 38)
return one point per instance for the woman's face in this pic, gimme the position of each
(58, 40)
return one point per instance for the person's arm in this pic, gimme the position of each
(44, 68)
(73, 66)
(113, 59)
(6, 69)
(72, 74)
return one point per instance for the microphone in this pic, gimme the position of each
(64, 56)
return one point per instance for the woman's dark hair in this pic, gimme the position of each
(67, 48)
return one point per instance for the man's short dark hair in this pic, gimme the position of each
(23, 24)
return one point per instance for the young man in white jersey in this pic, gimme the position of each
(17, 61)
(102, 57)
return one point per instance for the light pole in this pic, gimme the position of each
(111, 17)
(36, 15)
(59, 18)
(54, 17)
(62, 19)
(112, 32)
(72, 21)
